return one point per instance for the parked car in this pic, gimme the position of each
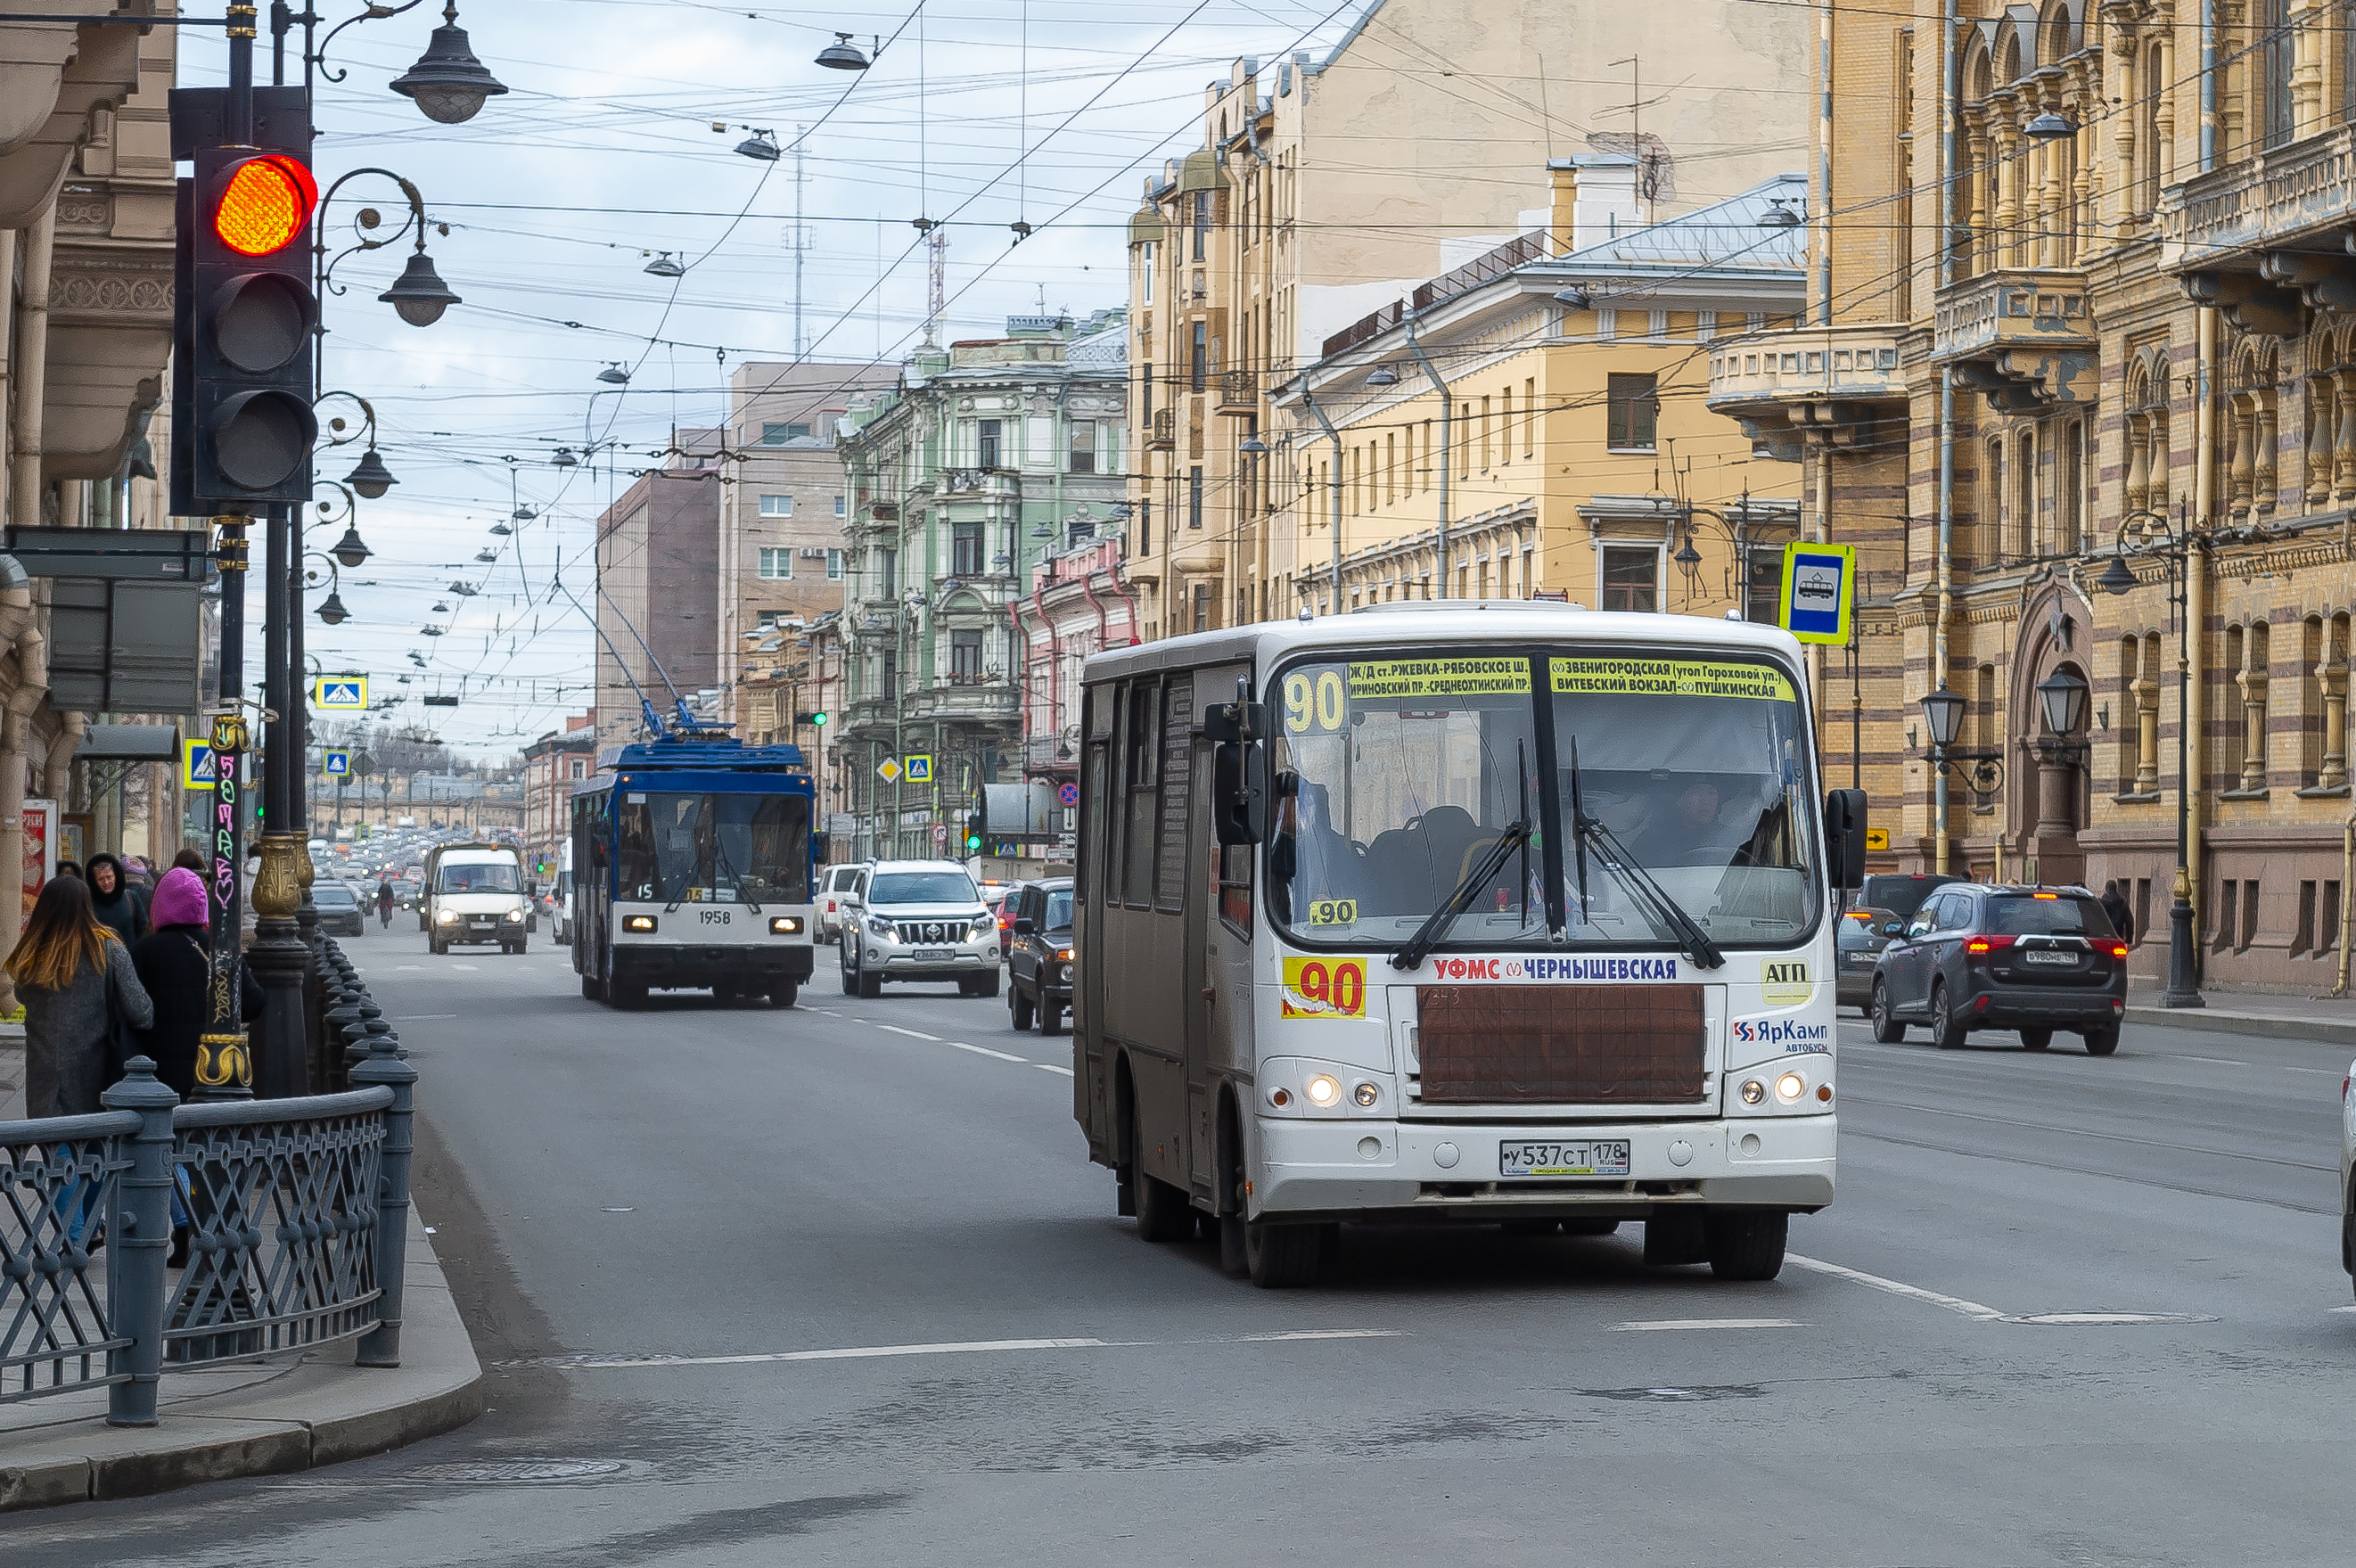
(2032, 958)
(339, 909)
(1901, 895)
(833, 883)
(919, 919)
(1857, 944)
(1039, 966)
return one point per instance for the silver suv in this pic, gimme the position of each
(919, 919)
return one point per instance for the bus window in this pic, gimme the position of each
(692, 847)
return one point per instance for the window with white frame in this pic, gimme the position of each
(1630, 577)
(834, 565)
(777, 565)
(777, 506)
(839, 509)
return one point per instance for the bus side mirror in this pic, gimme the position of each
(1239, 720)
(1845, 836)
(1239, 791)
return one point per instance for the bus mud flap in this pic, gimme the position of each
(1675, 1236)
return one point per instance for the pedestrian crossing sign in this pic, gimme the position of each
(341, 694)
(339, 765)
(920, 771)
(196, 764)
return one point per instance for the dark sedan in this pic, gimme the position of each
(1039, 965)
(2030, 959)
(1859, 942)
(339, 909)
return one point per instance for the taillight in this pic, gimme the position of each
(2118, 950)
(1988, 944)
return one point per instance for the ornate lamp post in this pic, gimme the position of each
(1982, 771)
(2148, 536)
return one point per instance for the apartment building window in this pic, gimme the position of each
(834, 565)
(1529, 417)
(1146, 276)
(891, 671)
(965, 657)
(2275, 122)
(776, 505)
(888, 570)
(1145, 395)
(1082, 447)
(1202, 222)
(1145, 526)
(839, 509)
(779, 435)
(1630, 576)
(1194, 496)
(1631, 403)
(766, 619)
(965, 549)
(1202, 607)
(1485, 452)
(1198, 365)
(1505, 428)
(986, 450)
(580, 768)
(777, 565)
(1764, 593)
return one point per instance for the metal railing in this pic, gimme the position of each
(297, 1214)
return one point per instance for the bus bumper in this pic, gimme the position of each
(695, 968)
(1373, 1169)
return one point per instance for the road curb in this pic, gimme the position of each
(320, 1411)
(2328, 1031)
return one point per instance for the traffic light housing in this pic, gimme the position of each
(974, 823)
(816, 720)
(244, 313)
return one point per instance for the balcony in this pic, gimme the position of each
(1239, 392)
(1049, 754)
(1836, 380)
(992, 700)
(2023, 336)
(1165, 430)
(979, 482)
(2289, 194)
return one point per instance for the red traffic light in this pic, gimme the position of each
(264, 205)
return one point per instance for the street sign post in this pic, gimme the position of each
(888, 770)
(1819, 586)
(339, 765)
(196, 763)
(341, 694)
(1069, 794)
(940, 832)
(920, 769)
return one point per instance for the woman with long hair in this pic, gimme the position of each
(75, 978)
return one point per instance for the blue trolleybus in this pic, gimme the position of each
(693, 865)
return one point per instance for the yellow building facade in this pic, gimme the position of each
(2079, 321)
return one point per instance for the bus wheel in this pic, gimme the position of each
(592, 988)
(1283, 1257)
(1746, 1243)
(726, 994)
(629, 997)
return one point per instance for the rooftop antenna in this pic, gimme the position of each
(937, 280)
(801, 244)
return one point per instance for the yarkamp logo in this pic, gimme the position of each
(1554, 969)
(1791, 1034)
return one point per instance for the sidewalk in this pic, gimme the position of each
(260, 1417)
(2328, 1019)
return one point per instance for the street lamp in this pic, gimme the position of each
(351, 550)
(419, 296)
(370, 477)
(1981, 771)
(2147, 533)
(844, 55)
(2063, 697)
(448, 84)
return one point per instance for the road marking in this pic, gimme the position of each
(984, 1051)
(470, 967)
(2319, 1071)
(399, 966)
(422, 1017)
(1953, 1304)
(1671, 1323)
(595, 1363)
(1051, 1067)
(2189, 1057)
(2107, 1319)
(912, 1034)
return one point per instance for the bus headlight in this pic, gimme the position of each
(1324, 1090)
(1789, 1087)
(786, 925)
(637, 922)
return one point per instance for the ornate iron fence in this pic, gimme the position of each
(297, 1212)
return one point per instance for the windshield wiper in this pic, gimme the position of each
(736, 877)
(1428, 935)
(1638, 883)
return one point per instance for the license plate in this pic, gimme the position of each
(933, 955)
(1589, 1157)
(2036, 955)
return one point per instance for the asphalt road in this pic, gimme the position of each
(654, 1218)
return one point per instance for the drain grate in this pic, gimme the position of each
(514, 1471)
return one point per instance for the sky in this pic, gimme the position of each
(602, 153)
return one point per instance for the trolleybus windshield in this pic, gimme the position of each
(1397, 772)
(684, 847)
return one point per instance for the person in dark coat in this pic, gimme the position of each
(2115, 905)
(176, 969)
(75, 979)
(115, 902)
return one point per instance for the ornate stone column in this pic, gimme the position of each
(2252, 682)
(2343, 446)
(2262, 458)
(2319, 430)
(2146, 696)
(2332, 677)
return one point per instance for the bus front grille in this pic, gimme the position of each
(1571, 1045)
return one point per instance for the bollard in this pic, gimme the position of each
(380, 1346)
(139, 1233)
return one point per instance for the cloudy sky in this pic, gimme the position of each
(977, 113)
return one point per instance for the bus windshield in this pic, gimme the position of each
(723, 848)
(1396, 776)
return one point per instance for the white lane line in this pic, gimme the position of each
(472, 967)
(1677, 1323)
(2189, 1057)
(984, 1051)
(2319, 1072)
(912, 1034)
(1051, 1067)
(409, 966)
(422, 1017)
(595, 1363)
(1953, 1304)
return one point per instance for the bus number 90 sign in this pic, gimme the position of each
(1324, 988)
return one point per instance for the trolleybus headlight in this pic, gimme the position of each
(786, 925)
(1753, 1091)
(1789, 1087)
(1324, 1090)
(1366, 1094)
(637, 922)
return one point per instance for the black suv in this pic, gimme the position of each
(1978, 957)
(1039, 963)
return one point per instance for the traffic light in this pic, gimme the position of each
(974, 826)
(817, 719)
(244, 314)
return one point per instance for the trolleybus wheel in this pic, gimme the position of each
(629, 997)
(1020, 1005)
(593, 988)
(1283, 1257)
(1746, 1243)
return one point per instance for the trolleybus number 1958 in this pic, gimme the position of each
(1592, 1157)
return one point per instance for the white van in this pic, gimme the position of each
(474, 893)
